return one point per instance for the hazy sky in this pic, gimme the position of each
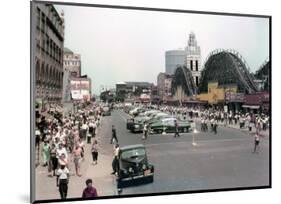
(129, 45)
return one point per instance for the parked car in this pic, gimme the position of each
(158, 116)
(128, 107)
(106, 111)
(168, 125)
(136, 124)
(134, 168)
(136, 111)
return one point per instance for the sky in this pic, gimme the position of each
(129, 45)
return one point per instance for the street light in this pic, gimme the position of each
(193, 138)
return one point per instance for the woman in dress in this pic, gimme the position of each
(46, 153)
(95, 152)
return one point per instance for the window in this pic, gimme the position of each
(196, 65)
(197, 80)
(191, 65)
(46, 43)
(51, 48)
(38, 18)
(43, 22)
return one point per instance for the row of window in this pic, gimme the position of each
(42, 18)
(73, 63)
(196, 65)
(50, 47)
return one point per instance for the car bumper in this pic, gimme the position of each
(135, 180)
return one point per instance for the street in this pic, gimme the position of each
(224, 160)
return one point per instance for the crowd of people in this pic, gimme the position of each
(61, 140)
(213, 117)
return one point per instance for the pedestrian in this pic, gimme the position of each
(63, 178)
(257, 142)
(61, 150)
(37, 139)
(95, 152)
(241, 122)
(84, 130)
(46, 153)
(215, 126)
(250, 126)
(202, 124)
(89, 191)
(63, 160)
(89, 136)
(115, 162)
(54, 159)
(91, 129)
(212, 124)
(77, 159)
(114, 135)
(81, 145)
(177, 134)
(145, 131)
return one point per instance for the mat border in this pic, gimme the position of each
(32, 99)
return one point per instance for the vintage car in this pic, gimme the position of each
(134, 127)
(136, 111)
(127, 107)
(134, 168)
(158, 116)
(168, 125)
(106, 111)
(136, 124)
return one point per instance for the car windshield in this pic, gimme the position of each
(132, 153)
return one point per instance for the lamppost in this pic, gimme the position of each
(193, 137)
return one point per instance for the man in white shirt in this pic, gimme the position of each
(84, 129)
(115, 163)
(63, 176)
(61, 150)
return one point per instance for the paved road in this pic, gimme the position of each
(224, 160)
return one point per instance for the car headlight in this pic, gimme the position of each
(130, 169)
(143, 166)
(125, 171)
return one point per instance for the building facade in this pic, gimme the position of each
(130, 90)
(164, 84)
(49, 43)
(173, 58)
(71, 69)
(193, 58)
(72, 62)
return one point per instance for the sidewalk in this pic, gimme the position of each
(100, 173)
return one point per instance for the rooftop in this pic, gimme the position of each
(67, 50)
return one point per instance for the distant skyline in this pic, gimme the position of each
(129, 45)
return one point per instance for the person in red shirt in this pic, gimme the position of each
(89, 191)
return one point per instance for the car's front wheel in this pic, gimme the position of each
(151, 179)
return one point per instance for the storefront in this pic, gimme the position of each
(257, 103)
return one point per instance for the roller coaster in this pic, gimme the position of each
(227, 67)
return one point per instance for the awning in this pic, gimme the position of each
(251, 106)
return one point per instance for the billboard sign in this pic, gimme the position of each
(80, 89)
